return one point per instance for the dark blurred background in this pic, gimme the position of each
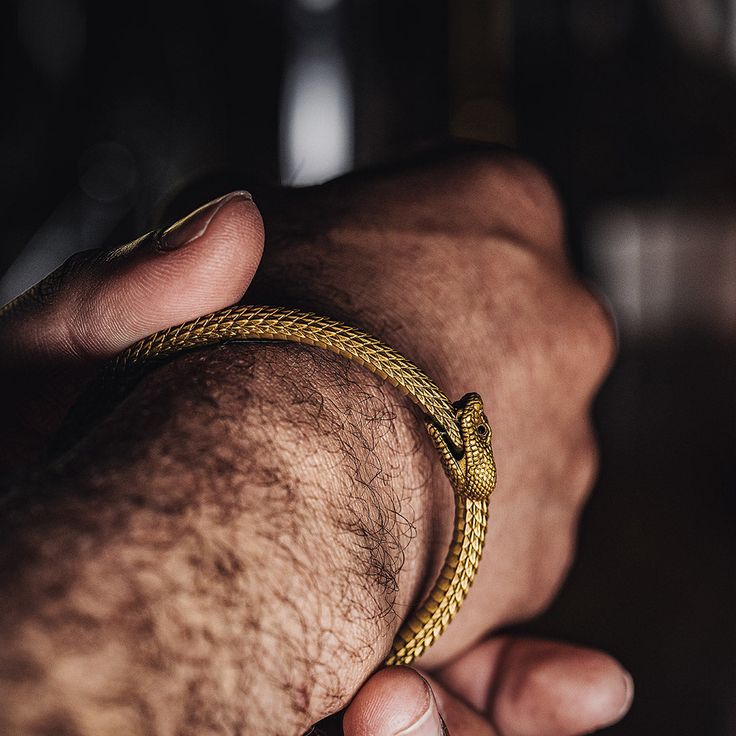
(631, 106)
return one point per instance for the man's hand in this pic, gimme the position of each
(317, 273)
(506, 686)
(460, 264)
(58, 333)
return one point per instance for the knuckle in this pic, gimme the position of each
(571, 484)
(71, 290)
(598, 339)
(578, 322)
(525, 200)
(573, 335)
(47, 291)
(583, 465)
(520, 175)
(50, 297)
(74, 264)
(60, 280)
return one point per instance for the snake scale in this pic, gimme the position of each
(460, 433)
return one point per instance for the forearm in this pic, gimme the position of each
(234, 548)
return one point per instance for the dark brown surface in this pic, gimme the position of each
(655, 579)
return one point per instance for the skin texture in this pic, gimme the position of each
(457, 262)
(460, 264)
(506, 686)
(255, 554)
(98, 303)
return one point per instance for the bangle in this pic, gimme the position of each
(460, 433)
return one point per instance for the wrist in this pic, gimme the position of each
(262, 514)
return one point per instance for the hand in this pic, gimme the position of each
(303, 283)
(505, 686)
(521, 686)
(460, 264)
(469, 252)
(54, 336)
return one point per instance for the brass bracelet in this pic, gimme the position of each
(460, 433)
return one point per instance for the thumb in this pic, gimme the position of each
(506, 685)
(98, 303)
(396, 701)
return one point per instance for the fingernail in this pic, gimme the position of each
(430, 723)
(194, 226)
(628, 695)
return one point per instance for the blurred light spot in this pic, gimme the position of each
(106, 172)
(666, 268)
(699, 26)
(317, 118)
(78, 223)
(53, 34)
(319, 6)
(615, 251)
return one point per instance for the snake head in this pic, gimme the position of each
(470, 468)
(477, 464)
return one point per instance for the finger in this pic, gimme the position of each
(542, 688)
(396, 701)
(99, 303)
(459, 717)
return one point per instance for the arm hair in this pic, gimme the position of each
(231, 551)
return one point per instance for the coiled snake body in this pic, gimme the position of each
(460, 432)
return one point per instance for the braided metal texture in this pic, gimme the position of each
(276, 323)
(443, 421)
(455, 579)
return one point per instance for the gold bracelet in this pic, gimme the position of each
(460, 433)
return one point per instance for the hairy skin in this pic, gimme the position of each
(460, 264)
(253, 504)
(235, 547)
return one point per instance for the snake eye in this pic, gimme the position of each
(482, 430)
